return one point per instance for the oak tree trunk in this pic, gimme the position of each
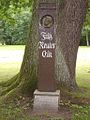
(70, 16)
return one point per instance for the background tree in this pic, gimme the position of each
(85, 36)
(71, 14)
(14, 24)
(14, 29)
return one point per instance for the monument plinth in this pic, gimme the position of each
(46, 97)
(46, 101)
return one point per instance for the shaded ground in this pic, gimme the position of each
(18, 113)
(63, 114)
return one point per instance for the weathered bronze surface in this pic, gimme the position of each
(47, 31)
(47, 21)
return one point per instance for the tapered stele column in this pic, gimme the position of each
(47, 32)
(46, 97)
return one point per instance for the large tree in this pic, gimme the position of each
(71, 14)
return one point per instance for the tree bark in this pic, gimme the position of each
(70, 16)
(70, 19)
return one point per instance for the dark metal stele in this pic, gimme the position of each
(47, 32)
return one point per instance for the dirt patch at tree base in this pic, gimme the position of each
(64, 113)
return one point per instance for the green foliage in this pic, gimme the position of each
(15, 18)
(14, 28)
(85, 35)
(14, 22)
(5, 4)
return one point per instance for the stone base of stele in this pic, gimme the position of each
(46, 101)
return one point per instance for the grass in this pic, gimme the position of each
(12, 47)
(81, 112)
(83, 80)
(10, 62)
(83, 70)
(12, 112)
(8, 70)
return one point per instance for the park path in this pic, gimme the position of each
(11, 56)
(83, 56)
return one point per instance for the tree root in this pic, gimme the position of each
(9, 82)
(10, 96)
(15, 94)
(17, 89)
(10, 87)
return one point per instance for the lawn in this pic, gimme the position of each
(10, 61)
(83, 69)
